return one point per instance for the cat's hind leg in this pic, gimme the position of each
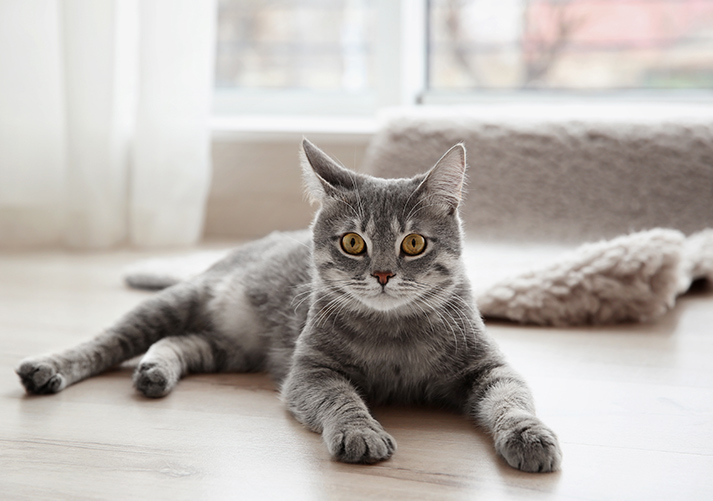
(170, 312)
(173, 357)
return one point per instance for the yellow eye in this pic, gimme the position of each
(414, 244)
(353, 244)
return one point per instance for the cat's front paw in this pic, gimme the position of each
(529, 445)
(40, 376)
(360, 443)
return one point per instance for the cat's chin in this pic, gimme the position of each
(384, 302)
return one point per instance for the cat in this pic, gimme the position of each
(370, 306)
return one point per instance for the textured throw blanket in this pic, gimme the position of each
(632, 278)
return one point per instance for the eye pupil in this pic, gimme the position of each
(414, 244)
(353, 244)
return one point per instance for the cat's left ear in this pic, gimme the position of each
(444, 182)
(322, 175)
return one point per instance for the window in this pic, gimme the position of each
(570, 44)
(296, 55)
(319, 45)
(356, 56)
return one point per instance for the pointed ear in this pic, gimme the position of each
(322, 175)
(444, 182)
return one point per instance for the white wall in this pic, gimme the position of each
(257, 185)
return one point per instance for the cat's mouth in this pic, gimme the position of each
(384, 300)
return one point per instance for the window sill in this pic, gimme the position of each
(291, 127)
(359, 129)
(614, 110)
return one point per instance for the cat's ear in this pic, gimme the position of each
(444, 182)
(322, 175)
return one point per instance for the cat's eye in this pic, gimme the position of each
(414, 244)
(353, 244)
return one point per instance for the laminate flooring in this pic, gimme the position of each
(632, 405)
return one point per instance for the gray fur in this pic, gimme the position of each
(332, 334)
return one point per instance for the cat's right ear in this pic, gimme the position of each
(323, 176)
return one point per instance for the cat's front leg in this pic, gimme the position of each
(326, 402)
(501, 402)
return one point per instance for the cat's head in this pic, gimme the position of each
(393, 245)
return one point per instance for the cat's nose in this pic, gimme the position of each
(383, 276)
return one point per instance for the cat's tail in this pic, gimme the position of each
(159, 273)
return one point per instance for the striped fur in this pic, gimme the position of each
(335, 335)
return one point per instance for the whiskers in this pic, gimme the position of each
(450, 310)
(299, 298)
(422, 204)
(336, 305)
(303, 244)
(439, 310)
(358, 211)
(338, 298)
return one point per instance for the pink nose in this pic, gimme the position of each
(382, 276)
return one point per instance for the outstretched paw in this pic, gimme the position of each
(360, 443)
(154, 380)
(529, 445)
(40, 377)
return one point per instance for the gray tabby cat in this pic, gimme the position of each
(371, 306)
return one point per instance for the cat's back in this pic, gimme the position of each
(293, 247)
(280, 268)
(269, 266)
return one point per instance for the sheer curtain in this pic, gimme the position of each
(104, 121)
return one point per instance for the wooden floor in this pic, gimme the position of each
(633, 407)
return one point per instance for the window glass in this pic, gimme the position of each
(570, 44)
(295, 45)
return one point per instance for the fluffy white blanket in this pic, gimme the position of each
(632, 278)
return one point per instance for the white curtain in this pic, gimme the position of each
(104, 109)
